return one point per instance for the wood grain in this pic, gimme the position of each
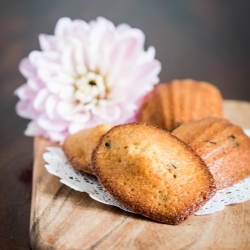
(62, 218)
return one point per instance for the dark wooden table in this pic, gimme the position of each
(199, 39)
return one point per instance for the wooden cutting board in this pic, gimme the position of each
(62, 218)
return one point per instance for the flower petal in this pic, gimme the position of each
(50, 105)
(75, 127)
(125, 54)
(48, 43)
(109, 113)
(67, 60)
(33, 129)
(79, 60)
(26, 69)
(62, 26)
(105, 48)
(64, 108)
(150, 53)
(57, 136)
(128, 46)
(79, 29)
(128, 112)
(24, 92)
(67, 93)
(147, 70)
(39, 100)
(121, 28)
(51, 125)
(35, 84)
(25, 109)
(81, 117)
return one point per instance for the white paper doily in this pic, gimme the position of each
(57, 164)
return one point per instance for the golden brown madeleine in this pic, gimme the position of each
(223, 146)
(79, 146)
(152, 172)
(170, 105)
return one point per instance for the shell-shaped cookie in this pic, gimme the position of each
(170, 105)
(79, 147)
(223, 146)
(152, 172)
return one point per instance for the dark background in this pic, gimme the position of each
(201, 39)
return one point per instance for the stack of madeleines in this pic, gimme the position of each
(170, 163)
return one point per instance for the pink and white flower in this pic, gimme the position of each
(86, 74)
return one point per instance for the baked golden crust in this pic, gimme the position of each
(223, 146)
(79, 146)
(170, 105)
(152, 172)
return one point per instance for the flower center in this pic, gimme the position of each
(89, 88)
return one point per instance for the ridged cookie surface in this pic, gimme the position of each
(79, 146)
(223, 146)
(152, 172)
(170, 105)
